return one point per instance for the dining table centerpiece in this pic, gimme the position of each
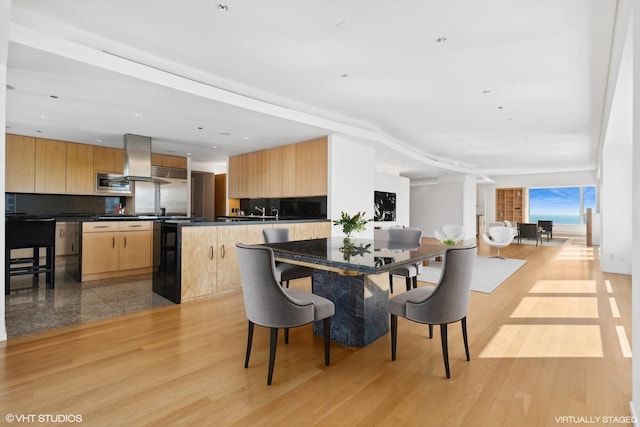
(351, 224)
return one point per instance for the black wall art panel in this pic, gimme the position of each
(385, 206)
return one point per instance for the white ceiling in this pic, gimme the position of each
(489, 87)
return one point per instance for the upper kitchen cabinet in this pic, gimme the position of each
(51, 166)
(310, 178)
(297, 170)
(20, 164)
(108, 159)
(168, 161)
(80, 175)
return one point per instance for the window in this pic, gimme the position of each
(562, 205)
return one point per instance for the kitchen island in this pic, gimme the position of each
(193, 260)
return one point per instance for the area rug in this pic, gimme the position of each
(488, 273)
(556, 241)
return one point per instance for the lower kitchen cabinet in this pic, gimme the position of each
(115, 249)
(198, 262)
(66, 238)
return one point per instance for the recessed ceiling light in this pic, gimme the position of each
(138, 114)
(222, 7)
(441, 39)
(214, 146)
(245, 137)
(43, 117)
(53, 96)
(486, 91)
(500, 107)
(200, 128)
(345, 76)
(189, 154)
(98, 140)
(39, 131)
(224, 133)
(171, 151)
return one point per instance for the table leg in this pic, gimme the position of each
(361, 302)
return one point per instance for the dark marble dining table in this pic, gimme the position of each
(355, 277)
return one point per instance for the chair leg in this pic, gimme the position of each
(286, 335)
(394, 335)
(415, 282)
(249, 341)
(326, 323)
(464, 336)
(430, 331)
(407, 280)
(272, 353)
(287, 282)
(445, 348)
(391, 282)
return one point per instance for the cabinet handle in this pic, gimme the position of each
(100, 226)
(223, 252)
(135, 225)
(125, 241)
(61, 232)
(113, 242)
(211, 252)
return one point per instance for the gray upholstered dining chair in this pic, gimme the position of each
(269, 305)
(445, 303)
(409, 272)
(285, 272)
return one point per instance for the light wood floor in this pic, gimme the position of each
(545, 344)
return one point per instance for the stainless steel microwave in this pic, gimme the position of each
(112, 183)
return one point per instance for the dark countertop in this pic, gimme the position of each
(255, 220)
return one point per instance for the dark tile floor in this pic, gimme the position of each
(30, 310)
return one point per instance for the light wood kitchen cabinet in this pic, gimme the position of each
(79, 165)
(288, 171)
(135, 245)
(115, 249)
(311, 230)
(274, 172)
(199, 262)
(51, 166)
(20, 164)
(168, 161)
(318, 176)
(297, 170)
(228, 273)
(99, 249)
(108, 160)
(66, 238)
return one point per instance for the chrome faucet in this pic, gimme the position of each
(261, 210)
(276, 211)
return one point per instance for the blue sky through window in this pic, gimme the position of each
(559, 204)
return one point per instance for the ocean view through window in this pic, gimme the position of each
(562, 205)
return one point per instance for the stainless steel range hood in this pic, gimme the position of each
(137, 159)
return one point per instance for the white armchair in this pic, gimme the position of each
(498, 237)
(453, 232)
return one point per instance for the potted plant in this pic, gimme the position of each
(351, 224)
(449, 241)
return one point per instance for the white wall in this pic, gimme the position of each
(433, 206)
(615, 241)
(401, 186)
(5, 10)
(351, 181)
